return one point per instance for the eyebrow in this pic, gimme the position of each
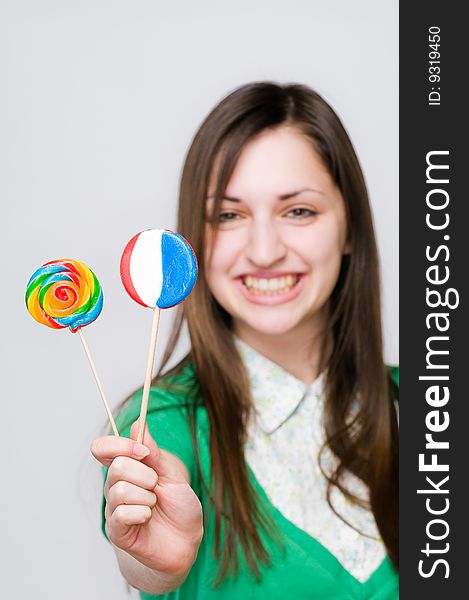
(297, 192)
(286, 196)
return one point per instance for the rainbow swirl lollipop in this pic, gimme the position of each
(64, 293)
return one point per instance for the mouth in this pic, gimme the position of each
(271, 291)
(272, 286)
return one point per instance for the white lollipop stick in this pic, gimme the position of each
(100, 387)
(148, 375)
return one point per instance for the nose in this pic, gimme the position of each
(265, 246)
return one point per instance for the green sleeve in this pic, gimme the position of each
(393, 371)
(395, 374)
(167, 420)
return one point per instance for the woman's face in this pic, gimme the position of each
(275, 257)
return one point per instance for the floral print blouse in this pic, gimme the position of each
(284, 439)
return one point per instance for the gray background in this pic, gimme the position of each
(99, 102)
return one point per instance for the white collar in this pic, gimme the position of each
(276, 393)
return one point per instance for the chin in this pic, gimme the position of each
(270, 326)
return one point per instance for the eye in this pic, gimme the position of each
(226, 216)
(301, 213)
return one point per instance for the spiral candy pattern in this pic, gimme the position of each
(64, 293)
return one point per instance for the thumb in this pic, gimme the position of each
(161, 463)
(154, 458)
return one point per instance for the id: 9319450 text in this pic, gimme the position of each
(434, 66)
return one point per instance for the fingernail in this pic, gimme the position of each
(140, 450)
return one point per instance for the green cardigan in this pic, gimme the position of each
(301, 568)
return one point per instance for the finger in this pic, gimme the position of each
(124, 492)
(107, 515)
(105, 449)
(128, 469)
(123, 519)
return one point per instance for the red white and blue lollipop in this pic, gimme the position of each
(158, 269)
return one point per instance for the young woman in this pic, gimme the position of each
(270, 461)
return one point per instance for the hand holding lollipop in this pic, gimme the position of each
(158, 269)
(66, 293)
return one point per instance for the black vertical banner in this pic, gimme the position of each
(434, 270)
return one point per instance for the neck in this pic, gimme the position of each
(298, 351)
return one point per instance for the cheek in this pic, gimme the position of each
(221, 252)
(319, 248)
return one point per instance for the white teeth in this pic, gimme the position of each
(275, 284)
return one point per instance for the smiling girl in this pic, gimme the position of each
(269, 464)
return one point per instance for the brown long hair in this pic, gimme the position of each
(367, 444)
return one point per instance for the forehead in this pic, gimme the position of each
(276, 162)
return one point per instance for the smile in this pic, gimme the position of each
(273, 286)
